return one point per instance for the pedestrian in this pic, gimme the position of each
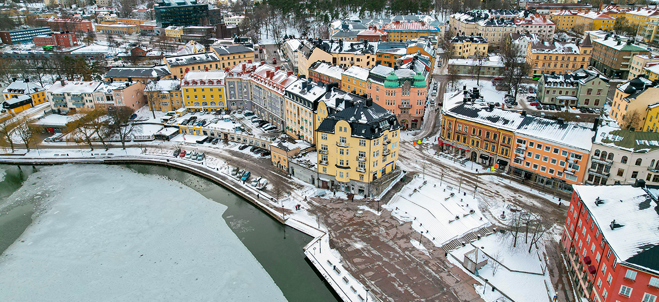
(258, 196)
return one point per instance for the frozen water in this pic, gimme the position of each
(105, 233)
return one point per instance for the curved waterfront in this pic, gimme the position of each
(276, 247)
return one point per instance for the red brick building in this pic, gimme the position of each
(611, 240)
(62, 40)
(372, 34)
(138, 52)
(71, 25)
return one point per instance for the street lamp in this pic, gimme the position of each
(367, 295)
(484, 286)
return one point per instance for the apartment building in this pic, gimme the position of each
(64, 25)
(469, 46)
(204, 91)
(640, 16)
(164, 95)
(137, 73)
(232, 55)
(117, 29)
(538, 25)
(355, 79)
(546, 8)
(339, 53)
(239, 85)
(74, 95)
(401, 31)
(24, 88)
(63, 40)
(580, 88)
(357, 142)
(564, 19)
(268, 87)
(610, 239)
(179, 12)
(558, 57)
(301, 101)
(631, 100)
(180, 65)
(128, 94)
(326, 73)
(638, 66)
(613, 57)
(651, 120)
(372, 34)
(20, 36)
(623, 157)
(594, 21)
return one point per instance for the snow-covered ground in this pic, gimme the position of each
(520, 286)
(437, 210)
(98, 235)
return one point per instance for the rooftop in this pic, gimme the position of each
(327, 69)
(579, 76)
(214, 75)
(357, 72)
(163, 85)
(620, 45)
(307, 90)
(138, 72)
(75, 87)
(555, 47)
(233, 49)
(22, 87)
(410, 26)
(628, 219)
(200, 58)
(634, 141)
(469, 39)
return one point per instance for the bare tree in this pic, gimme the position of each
(630, 120)
(26, 132)
(452, 77)
(121, 124)
(6, 131)
(99, 121)
(496, 262)
(89, 127)
(515, 66)
(539, 227)
(516, 224)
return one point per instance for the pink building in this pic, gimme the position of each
(129, 94)
(536, 24)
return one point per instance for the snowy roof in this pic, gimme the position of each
(231, 50)
(293, 44)
(74, 87)
(579, 76)
(201, 58)
(289, 146)
(366, 118)
(620, 45)
(469, 39)
(564, 133)
(372, 31)
(345, 34)
(633, 141)
(306, 89)
(268, 75)
(492, 61)
(16, 101)
(357, 72)
(22, 87)
(410, 26)
(205, 75)
(644, 12)
(635, 87)
(163, 85)
(596, 16)
(57, 120)
(555, 47)
(327, 69)
(138, 72)
(532, 20)
(566, 13)
(189, 48)
(628, 220)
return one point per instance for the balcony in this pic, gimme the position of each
(361, 158)
(362, 170)
(601, 161)
(386, 141)
(385, 152)
(321, 151)
(323, 163)
(78, 104)
(77, 99)
(342, 144)
(599, 173)
(404, 106)
(60, 104)
(654, 169)
(58, 98)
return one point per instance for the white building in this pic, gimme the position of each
(233, 20)
(623, 156)
(72, 95)
(290, 50)
(536, 24)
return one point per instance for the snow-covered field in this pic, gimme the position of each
(438, 211)
(519, 286)
(98, 235)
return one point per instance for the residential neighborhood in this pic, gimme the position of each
(401, 150)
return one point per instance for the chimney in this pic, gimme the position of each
(276, 68)
(27, 80)
(523, 112)
(14, 79)
(249, 61)
(244, 67)
(369, 102)
(262, 62)
(596, 124)
(289, 73)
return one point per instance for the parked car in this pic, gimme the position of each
(265, 153)
(262, 183)
(531, 89)
(270, 129)
(246, 176)
(201, 156)
(534, 104)
(240, 173)
(261, 123)
(552, 107)
(253, 148)
(265, 125)
(255, 181)
(248, 113)
(194, 156)
(243, 147)
(189, 155)
(234, 171)
(215, 141)
(177, 152)
(545, 107)
(539, 107)
(182, 154)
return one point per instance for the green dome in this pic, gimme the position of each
(391, 81)
(419, 81)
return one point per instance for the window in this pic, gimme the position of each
(649, 298)
(531, 144)
(362, 143)
(631, 275)
(539, 146)
(555, 150)
(625, 291)
(634, 174)
(604, 293)
(654, 282)
(638, 162)
(621, 172)
(609, 279)
(323, 136)
(624, 160)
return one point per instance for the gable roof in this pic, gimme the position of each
(138, 72)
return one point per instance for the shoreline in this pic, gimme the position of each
(318, 235)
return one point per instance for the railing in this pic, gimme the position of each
(78, 105)
(361, 158)
(386, 141)
(323, 163)
(77, 98)
(340, 144)
(404, 106)
(363, 170)
(321, 151)
(602, 161)
(599, 172)
(655, 169)
(385, 151)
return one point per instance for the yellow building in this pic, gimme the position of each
(204, 90)
(117, 29)
(651, 121)
(558, 57)
(640, 16)
(233, 55)
(640, 65)
(180, 65)
(564, 20)
(652, 72)
(174, 32)
(164, 95)
(301, 100)
(34, 91)
(17, 104)
(351, 154)
(650, 31)
(631, 101)
(131, 21)
(355, 79)
(308, 54)
(401, 31)
(594, 21)
(469, 46)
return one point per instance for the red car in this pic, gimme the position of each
(182, 154)
(534, 104)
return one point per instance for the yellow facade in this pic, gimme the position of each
(233, 59)
(174, 32)
(346, 60)
(564, 20)
(652, 73)
(629, 113)
(37, 98)
(164, 101)
(651, 122)
(593, 21)
(20, 108)
(346, 158)
(402, 36)
(466, 49)
(117, 29)
(204, 91)
(557, 63)
(351, 83)
(636, 18)
(464, 133)
(299, 121)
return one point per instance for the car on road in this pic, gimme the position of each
(259, 151)
(243, 147)
(531, 89)
(182, 154)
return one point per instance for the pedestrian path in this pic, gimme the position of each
(468, 238)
